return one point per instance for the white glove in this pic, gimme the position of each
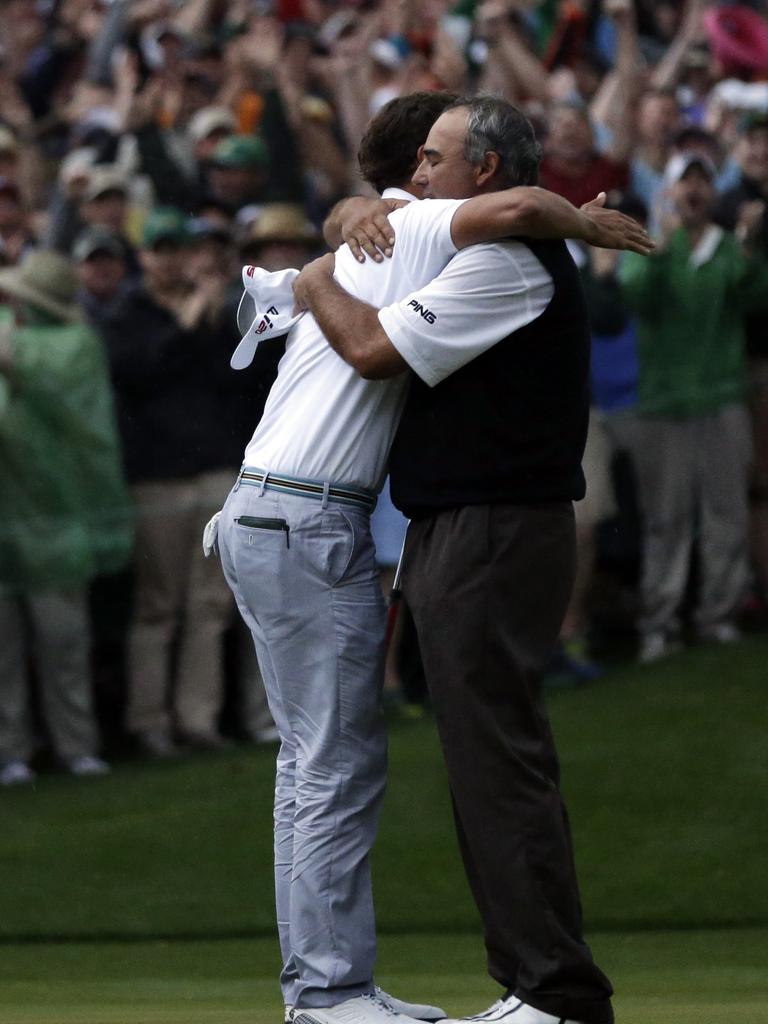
(210, 533)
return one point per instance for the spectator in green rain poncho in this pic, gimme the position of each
(64, 511)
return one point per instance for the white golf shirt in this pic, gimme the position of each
(484, 294)
(322, 421)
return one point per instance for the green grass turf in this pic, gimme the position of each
(710, 977)
(664, 768)
(667, 782)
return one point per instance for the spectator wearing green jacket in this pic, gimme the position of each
(64, 512)
(692, 445)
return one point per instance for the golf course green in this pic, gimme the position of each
(146, 898)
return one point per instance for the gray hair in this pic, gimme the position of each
(497, 126)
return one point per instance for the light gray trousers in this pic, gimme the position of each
(306, 584)
(692, 476)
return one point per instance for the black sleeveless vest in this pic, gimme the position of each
(510, 426)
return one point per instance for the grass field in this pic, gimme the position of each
(709, 977)
(666, 775)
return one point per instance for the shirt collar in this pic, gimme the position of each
(398, 193)
(706, 246)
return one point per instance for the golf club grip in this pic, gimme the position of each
(392, 610)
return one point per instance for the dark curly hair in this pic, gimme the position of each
(387, 154)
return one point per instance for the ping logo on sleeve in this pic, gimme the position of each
(424, 313)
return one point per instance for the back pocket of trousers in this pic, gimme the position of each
(259, 523)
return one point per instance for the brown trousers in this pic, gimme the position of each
(488, 587)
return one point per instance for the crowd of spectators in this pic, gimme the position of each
(150, 148)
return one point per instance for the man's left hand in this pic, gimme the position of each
(317, 270)
(613, 230)
(366, 229)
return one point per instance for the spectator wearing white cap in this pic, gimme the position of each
(91, 196)
(176, 163)
(279, 237)
(207, 128)
(691, 448)
(105, 199)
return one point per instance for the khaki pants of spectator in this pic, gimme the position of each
(599, 502)
(182, 604)
(692, 476)
(59, 632)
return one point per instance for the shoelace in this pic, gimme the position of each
(376, 998)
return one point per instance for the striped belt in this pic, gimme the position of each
(322, 491)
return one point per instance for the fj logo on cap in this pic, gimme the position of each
(266, 323)
(423, 312)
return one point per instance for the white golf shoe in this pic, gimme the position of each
(367, 1009)
(418, 1011)
(512, 1011)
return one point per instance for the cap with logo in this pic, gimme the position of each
(267, 305)
(679, 165)
(164, 224)
(241, 151)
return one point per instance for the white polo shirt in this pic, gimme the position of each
(485, 293)
(322, 420)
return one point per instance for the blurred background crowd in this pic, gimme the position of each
(150, 148)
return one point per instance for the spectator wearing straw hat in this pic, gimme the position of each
(281, 236)
(242, 396)
(63, 508)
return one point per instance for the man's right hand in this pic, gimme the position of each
(365, 227)
(609, 229)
